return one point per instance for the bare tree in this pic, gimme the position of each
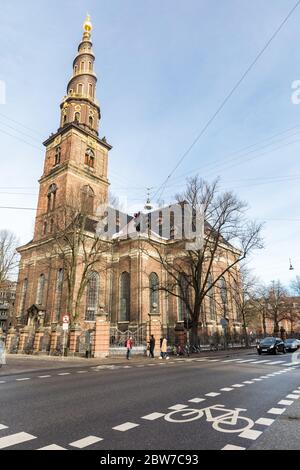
(277, 311)
(8, 254)
(80, 248)
(229, 238)
(244, 289)
(295, 286)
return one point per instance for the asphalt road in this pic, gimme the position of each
(148, 404)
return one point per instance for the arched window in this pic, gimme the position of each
(211, 298)
(184, 294)
(125, 297)
(90, 89)
(82, 66)
(92, 296)
(58, 293)
(91, 121)
(223, 295)
(57, 155)
(51, 225)
(77, 117)
(64, 119)
(80, 88)
(90, 67)
(51, 197)
(87, 200)
(40, 290)
(89, 158)
(76, 69)
(45, 228)
(23, 300)
(154, 298)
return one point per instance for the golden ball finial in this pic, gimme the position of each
(87, 25)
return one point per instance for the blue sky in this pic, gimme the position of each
(163, 69)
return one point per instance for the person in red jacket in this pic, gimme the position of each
(128, 345)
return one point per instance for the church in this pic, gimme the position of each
(122, 283)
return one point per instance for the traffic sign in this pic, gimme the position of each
(66, 318)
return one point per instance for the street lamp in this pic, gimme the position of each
(291, 266)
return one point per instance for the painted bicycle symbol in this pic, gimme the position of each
(222, 419)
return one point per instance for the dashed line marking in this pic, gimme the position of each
(294, 397)
(2, 426)
(257, 380)
(43, 376)
(246, 360)
(86, 441)
(196, 400)
(248, 382)
(265, 421)
(212, 394)
(286, 402)
(125, 426)
(177, 407)
(82, 372)
(2, 382)
(14, 439)
(226, 389)
(153, 416)
(251, 434)
(232, 447)
(64, 373)
(52, 447)
(276, 411)
(22, 380)
(238, 385)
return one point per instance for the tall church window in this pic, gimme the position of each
(125, 297)
(57, 155)
(184, 294)
(45, 228)
(89, 158)
(223, 295)
(90, 66)
(91, 121)
(77, 117)
(58, 293)
(90, 89)
(40, 290)
(23, 299)
(80, 88)
(153, 286)
(211, 298)
(82, 66)
(92, 296)
(87, 200)
(51, 197)
(76, 69)
(51, 225)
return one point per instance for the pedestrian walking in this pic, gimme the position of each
(128, 345)
(151, 346)
(163, 348)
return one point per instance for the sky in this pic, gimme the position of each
(164, 67)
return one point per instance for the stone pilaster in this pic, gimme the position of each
(9, 339)
(24, 333)
(101, 338)
(75, 332)
(37, 340)
(154, 328)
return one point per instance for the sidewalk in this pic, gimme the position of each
(21, 363)
(284, 433)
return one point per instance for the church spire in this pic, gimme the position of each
(80, 105)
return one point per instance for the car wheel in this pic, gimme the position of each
(259, 353)
(284, 351)
(275, 351)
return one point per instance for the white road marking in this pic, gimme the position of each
(86, 441)
(196, 400)
(148, 365)
(52, 447)
(250, 434)
(125, 426)
(276, 411)
(264, 377)
(21, 380)
(201, 360)
(14, 439)
(257, 380)
(248, 382)
(64, 373)
(286, 402)
(226, 389)
(2, 382)
(246, 360)
(259, 362)
(231, 360)
(44, 376)
(265, 421)
(277, 362)
(214, 360)
(129, 367)
(153, 416)
(177, 407)
(232, 447)
(2, 426)
(212, 394)
(81, 371)
(238, 385)
(292, 396)
(296, 391)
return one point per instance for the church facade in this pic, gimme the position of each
(124, 283)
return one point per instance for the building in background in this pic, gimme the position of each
(7, 304)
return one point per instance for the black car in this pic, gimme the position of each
(271, 346)
(292, 344)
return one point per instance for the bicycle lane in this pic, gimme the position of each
(251, 404)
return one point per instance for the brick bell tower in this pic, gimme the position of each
(76, 159)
